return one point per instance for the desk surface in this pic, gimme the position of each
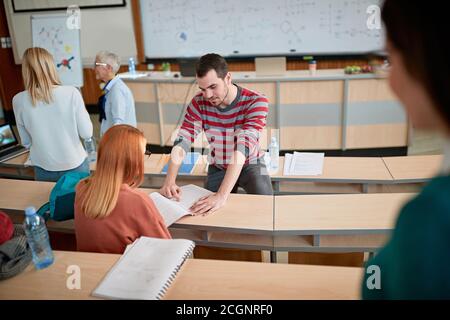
(335, 169)
(346, 169)
(338, 214)
(413, 167)
(241, 211)
(197, 279)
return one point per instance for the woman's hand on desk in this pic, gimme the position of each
(171, 191)
(208, 204)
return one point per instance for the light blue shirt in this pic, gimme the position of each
(119, 105)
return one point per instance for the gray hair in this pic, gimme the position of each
(110, 58)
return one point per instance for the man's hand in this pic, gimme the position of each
(208, 204)
(171, 191)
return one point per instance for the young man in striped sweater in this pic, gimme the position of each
(232, 118)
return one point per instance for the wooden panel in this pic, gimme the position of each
(370, 90)
(377, 136)
(311, 92)
(266, 88)
(202, 252)
(310, 138)
(142, 91)
(11, 81)
(151, 132)
(137, 27)
(328, 259)
(338, 212)
(354, 241)
(181, 93)
(414, 167)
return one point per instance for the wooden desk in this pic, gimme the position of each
(16, 168)
(246, 221)
(197, 279)
(360, 170)
(413, 169)
(322, 222)
(340, 174)
(318, 223)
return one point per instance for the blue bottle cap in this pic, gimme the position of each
(30, 211)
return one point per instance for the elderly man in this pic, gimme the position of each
(116, 105)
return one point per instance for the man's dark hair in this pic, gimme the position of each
(211, 61)
(419, 31)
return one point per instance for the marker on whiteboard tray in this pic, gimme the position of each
(293, 50)
(235, 51)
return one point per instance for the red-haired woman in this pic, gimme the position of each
(109, 212)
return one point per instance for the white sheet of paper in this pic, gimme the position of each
(306, 164)
(287, 164)
(172, 210)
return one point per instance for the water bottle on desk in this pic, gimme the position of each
(131, 66)
(274, 152)
(89, 145)
(37, 238)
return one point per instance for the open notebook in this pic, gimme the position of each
(146, 269)
(172, 210)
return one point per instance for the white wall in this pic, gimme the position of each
(101, 29)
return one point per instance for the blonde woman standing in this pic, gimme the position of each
(109, 212)
(50, 118)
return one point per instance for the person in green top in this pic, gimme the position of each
(415, 263)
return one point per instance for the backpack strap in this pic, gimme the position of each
(44, 211)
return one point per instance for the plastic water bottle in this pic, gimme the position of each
(131, 66)
(274, 151)
(89, 145)
(37, 238)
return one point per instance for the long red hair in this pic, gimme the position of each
(120, 160)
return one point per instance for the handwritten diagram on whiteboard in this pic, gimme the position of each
(51, 32)
(181, 28)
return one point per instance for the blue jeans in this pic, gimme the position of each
(53, 176)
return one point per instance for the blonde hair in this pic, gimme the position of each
(109, 58)
(120, 160)
(39, 74)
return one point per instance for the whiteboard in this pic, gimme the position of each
(191, 28)
(51, 32)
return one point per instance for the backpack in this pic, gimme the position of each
(62, 198)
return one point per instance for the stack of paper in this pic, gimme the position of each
(303, 164)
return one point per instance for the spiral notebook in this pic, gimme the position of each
(146, 270)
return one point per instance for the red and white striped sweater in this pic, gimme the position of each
(236, 127)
